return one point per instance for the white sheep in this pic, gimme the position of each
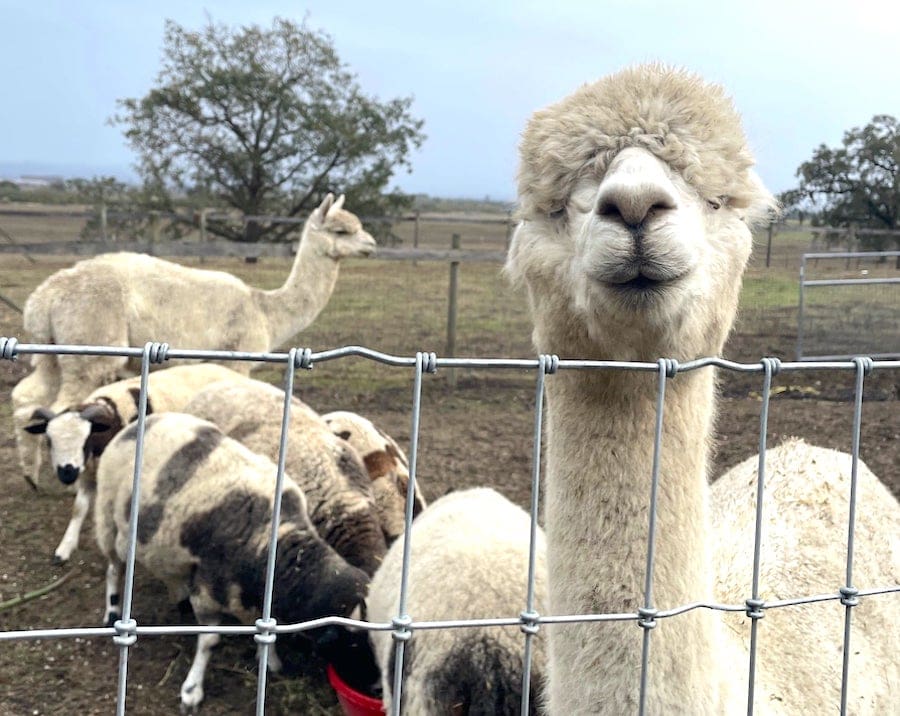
(78, 435)
(203, 529)
(387, 465)
(637, 199)
(469, 560)
(127, 299)
(328, 470)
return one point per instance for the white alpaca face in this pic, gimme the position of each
(638, 259)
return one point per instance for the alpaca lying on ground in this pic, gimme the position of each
(127, 299)
(328, 470)
(469, 560)
(78, 435)
(637, 199)
(203, 529)
(387, 465)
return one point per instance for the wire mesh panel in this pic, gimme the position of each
(849, 305)
(126, 631)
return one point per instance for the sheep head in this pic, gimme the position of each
(637, 199)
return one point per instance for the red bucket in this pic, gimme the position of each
(354, 703)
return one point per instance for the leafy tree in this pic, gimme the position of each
(859, 182)
(267, 121)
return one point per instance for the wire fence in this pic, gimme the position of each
(403, 626)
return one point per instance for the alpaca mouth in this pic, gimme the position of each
(641, 281)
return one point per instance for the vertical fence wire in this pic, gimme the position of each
(125, 626)
(848, 592)
(754, 604)
(265, 636)
(667, 367)
(547, 364)
(402, 621)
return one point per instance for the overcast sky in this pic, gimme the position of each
(800, 72)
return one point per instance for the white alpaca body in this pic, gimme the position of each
(387, 465)
(127, 299)
(469, 561)
(203, 529)
(78, 435)
(804, 552)
(637, 198)
(331, 474)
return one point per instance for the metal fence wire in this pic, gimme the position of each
(403, 626)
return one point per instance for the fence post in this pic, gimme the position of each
(509, 229)
(452, 303)
(769, 244)
(154, 230)
(103, 223)
(416, 235)
(203, 212)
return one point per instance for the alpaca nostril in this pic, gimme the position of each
(633, 208)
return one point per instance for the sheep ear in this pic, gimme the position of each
(100, 417)
(39, 419)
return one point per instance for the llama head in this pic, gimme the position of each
(637, 198)
(336, 232)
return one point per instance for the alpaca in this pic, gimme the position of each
(127, 299)
(637, 197)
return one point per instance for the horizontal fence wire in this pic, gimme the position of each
(266, 629)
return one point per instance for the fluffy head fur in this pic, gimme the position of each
(687, 123)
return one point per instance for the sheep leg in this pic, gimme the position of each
(274, 661)
(192, 687)
(69, 542)
(113, 593)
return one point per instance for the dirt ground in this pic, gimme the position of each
(482, 429)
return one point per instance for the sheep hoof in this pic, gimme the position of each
(58, 560)
(31, 482)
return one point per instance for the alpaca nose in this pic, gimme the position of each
(635, 188)
(67, 474)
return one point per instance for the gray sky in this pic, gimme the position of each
(801, 72)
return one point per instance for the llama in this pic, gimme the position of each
(127, 299)
(637, 197)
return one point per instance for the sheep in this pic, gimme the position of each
(469, 560)
(387, 465)
(637, 202)
(203, 530)
(78, 435)
(127, 299)
(328, 470)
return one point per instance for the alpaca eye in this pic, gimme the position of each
(714, 204)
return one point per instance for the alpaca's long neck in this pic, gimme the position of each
(292, 307)
(600, 436)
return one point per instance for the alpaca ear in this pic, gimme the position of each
(324, 207)
(338, 204)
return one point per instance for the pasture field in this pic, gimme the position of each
(478, 433)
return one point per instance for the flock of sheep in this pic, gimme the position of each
(637, 199)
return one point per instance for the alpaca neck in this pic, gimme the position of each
(600, 435)
(292, 307)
